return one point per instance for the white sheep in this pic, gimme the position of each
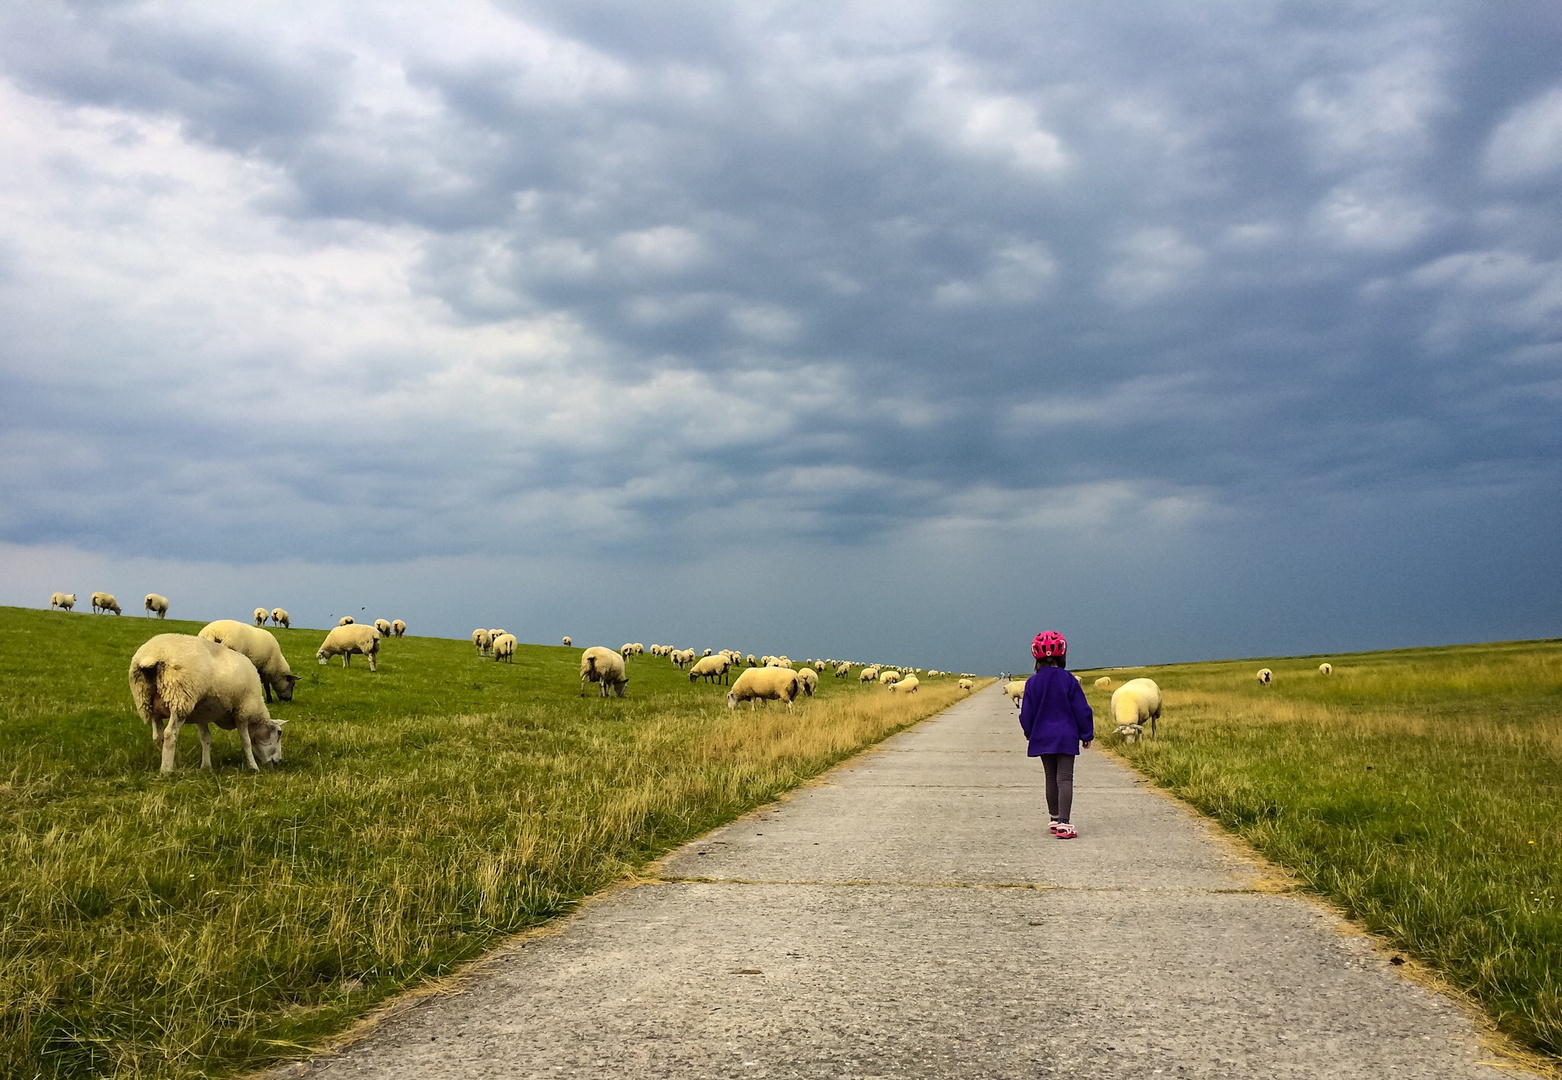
(908, 685)
(62, 600)
(809, 678)
(868, 674)
(889, 678)
(483, 640)
(966, 684)
(159, 604)
(1326, 668)
(259, 648)
(349, 638)
(765, 684)
(710, 668)
(260, 616)
(567, 641)
(1265, 676)
(279, 617)
(383, 626)
(398, 627)
(1016, 691)
(1136, 701)
(104, 602)
(749, 659)
(843, 670)
(345, 620)
(1103, 682)
(600, 664)
(504, 648)
(183, 679)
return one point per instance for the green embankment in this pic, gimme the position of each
(206, 923)
(1421, 790)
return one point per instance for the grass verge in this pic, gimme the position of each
(1420, 790)
(208, 923)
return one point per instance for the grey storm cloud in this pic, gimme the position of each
(602, 274)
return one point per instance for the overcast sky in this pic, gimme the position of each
(883, 331)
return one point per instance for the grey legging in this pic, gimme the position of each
(1060, 784)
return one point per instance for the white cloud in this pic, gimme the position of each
(1528, 144)
(1018, 272)
(1153, 264)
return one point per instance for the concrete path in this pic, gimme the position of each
(910, 917)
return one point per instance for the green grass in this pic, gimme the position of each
(1420, 790)
(210, 922)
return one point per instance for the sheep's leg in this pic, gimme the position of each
(264, 685)
(374, 661)
(582, 686)
(157, 732)
(171, 742)
(1153, 721)
(206, 745)
(346, 656)
(249, 750)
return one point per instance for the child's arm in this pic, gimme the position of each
(1084, 718)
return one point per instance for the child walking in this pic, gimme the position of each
(1056, 719)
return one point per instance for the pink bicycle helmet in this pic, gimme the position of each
(1048, 643)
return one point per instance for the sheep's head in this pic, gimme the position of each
(1130, 732)
(321, 656)
(265, 738)
(284, 688)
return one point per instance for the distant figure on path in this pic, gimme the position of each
(1056, 719)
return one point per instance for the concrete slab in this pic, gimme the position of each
(971, 945)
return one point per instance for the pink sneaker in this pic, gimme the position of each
(1064, 831)
(1053, 828)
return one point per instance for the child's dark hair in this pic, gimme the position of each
(1051, 661)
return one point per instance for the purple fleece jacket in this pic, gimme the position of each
(1054, 713)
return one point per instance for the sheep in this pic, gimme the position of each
(1325, 668)
(260, 648)
(398, 627)
(1103, 682)
(626, 650)
(1136, 701)
(751, 661)
(104, 602)
(504, 648)
(345, 620)
(62, 600)
(279, 617)
(966, 684)
(809, 678)
(159, 604)
(482, 640)
(765, 684)
(843, 670)
(867, 675)
(887, 678)
(260, 616)
(908, 685)
(383, 626)
(1016, 691)
(567, 641)
(349, 638)
(599, 664)
(1265, 676)
(184, 679)
(710, 668)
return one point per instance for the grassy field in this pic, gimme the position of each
(210, 922)
(1420, 790)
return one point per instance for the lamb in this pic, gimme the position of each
(710, 668)
(809, 678)
(345, 620)
(1136, 701)
(1265, 676)
(1016, 691)
(349, 638)
(383, 626)
(279, 617)
(104, 602)
(398, 627)
(567, 641)
(159, 604)
(62, 600)
(765, 684)
(908, 685)
(1325, 668)
(482, 640)
(599, 664)
(260, 648)
(1103, 682)
(260, 616)
(504, 648)
(966, 684)
(184, 679)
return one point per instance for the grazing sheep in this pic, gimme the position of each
(889, 678)
(843, 670)
(626, 650)
(1103, 682)
(260, 616)
(1326, 669)
(279, 617)
(908, 685)
(383, 626)
(260, 648)
(567, 641)
(750, 660)
(104, 602)
(398, 627)
(159, 604)
(504, 648)
(1136, 701)
(62, 600)
(809, 678)
(765, 684)
(183, 679)
(1265, 676)
(1016, 691)
(344, 640)
(600, 664)
(345, 620)
(710, 668)
(966, 684)
(482, 640)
